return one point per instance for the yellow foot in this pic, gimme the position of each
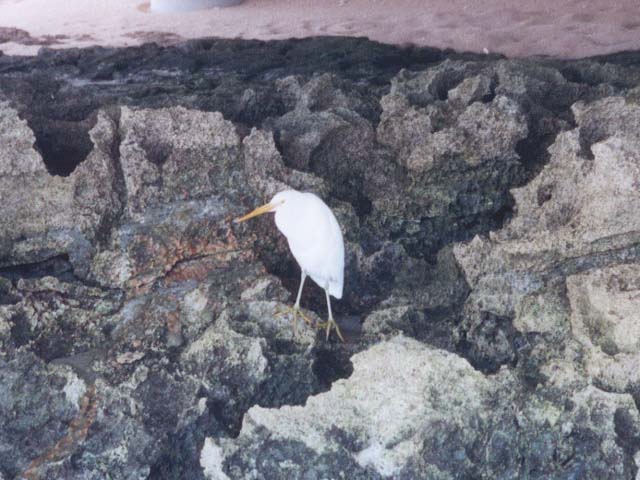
(328, 325)
(294, 312)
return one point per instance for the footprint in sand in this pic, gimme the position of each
(583, 17)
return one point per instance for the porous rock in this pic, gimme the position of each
(361, 426)
(489, 209)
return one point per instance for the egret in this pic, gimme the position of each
(315, 240)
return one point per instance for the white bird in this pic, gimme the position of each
(315, 239)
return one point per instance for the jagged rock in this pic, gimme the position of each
(45, 395)
(433, 133)
(605, 314)
(409, 411)
(323, 92)
(453, 150)
(544, 275)
(254, 369)
(570, 214)
(149, 323)
(428, 86)
(58, 319)
(47, 215)
(605, 118)
(473, 139)
(265, 170)
(570, 218)
(175, 154)
(404, 319)
(471, 90)
(305, 137)
(544, 312)
(362, 428)
(605, 307)
(141, 252)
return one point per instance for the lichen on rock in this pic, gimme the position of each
(490, 215)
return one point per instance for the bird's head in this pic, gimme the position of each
(278, 201)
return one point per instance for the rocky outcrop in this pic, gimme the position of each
(410, 411)
(489, 209)
(362, 426)
(45, 216)
(576, 216)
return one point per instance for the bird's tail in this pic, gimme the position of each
(335, 290)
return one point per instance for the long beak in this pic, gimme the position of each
(258, 211)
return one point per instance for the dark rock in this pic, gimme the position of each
(489, 209)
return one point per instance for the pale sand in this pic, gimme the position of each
(559, 28)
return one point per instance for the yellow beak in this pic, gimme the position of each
(258, 211)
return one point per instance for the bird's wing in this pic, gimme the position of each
(337, 266)
(318, 246)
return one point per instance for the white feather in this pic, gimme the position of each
(314, 237)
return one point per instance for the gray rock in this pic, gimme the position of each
(379, 423)
(471, 90)
(52, 397)
(320, 93)
(174, 154)
(604, 316)
(47, 215)
(362, 426)
(489, 209)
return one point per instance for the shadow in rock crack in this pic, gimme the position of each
(332, 362)
(534, 154)
(181, 456)
(59, 267)
(491, 344)
(62, 144)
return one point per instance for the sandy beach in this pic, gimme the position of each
(568, 29)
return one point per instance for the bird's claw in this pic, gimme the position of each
(328, 325)
(295, 311)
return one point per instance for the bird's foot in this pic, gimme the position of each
(294, 312)
(331, 323)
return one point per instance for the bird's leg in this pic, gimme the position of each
(303, 277)
(331, 322)
(295, 310)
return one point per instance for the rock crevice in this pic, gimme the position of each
(489, 209)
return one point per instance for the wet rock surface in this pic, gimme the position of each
(490, 214)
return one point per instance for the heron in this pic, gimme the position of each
(316, 242)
